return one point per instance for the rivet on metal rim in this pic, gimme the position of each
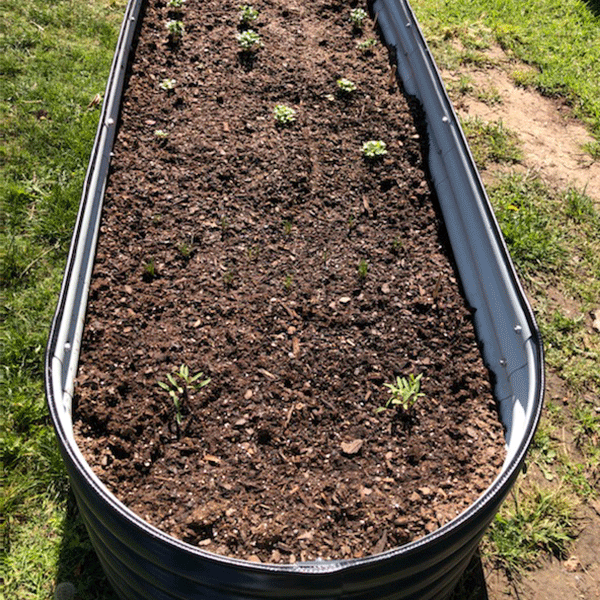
(518, 329)
(445, 119)
(502, 362)
(110, 121)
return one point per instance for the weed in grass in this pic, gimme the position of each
(593, 149)
(524, 78)
(587, 424)
(491, 142)
(534, 522)
(284, 115)
(374, 149)
(522, 206)
(249, 41)
(580, 208)
(490, 96)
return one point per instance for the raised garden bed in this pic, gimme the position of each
(299, 276)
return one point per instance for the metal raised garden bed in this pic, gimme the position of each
(142, 562)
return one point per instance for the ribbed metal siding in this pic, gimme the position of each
(143, 563)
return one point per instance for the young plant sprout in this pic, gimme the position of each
(175, 28)
(167, 84)
(404, 393)
(357, 17)
(248, 14)
(345, 86)
(374, 149)
(160, 134)
(179, 384)
(249, 40)
(284, 115)
(363, 269)
(367, 44)
(175, 3)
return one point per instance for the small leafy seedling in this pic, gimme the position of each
(404, 393)
(248, 14)
(161, 134)
(179, 384)
(167, 84)
(357, 17)
(284, 115)
(374, 149)
(249, 40)
(175, 28)
(288, 282)
(345, 86)
(366, 45)
(175, 3)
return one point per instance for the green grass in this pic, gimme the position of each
(491, 142)
(528, 524)
(560, 38)
(54, 58)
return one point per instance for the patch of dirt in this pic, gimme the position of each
(299, 278)
(551, 138)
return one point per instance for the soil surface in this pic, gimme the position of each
(299, 278)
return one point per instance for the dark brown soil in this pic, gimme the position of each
(297, 276)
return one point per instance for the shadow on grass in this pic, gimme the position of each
(594, 6)
(78, 562)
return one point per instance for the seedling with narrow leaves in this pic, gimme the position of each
(179, 385)
(404, 393)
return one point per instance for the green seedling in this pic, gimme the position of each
(363, 269)
(149, 270)
(367, 44)
(175, 28)
(175, 3)
(284, 115)
(357, 17)
(287, 227)
(249, 40)
(248, 14)
(179, 385)
(345, 86)
(374, 149)
(161, 134)
(167, 84)
(404, 393)
(287, 283)
(184, 250)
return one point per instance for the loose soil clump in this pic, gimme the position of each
(295, 274)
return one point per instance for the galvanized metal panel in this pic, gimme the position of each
(143, 563)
